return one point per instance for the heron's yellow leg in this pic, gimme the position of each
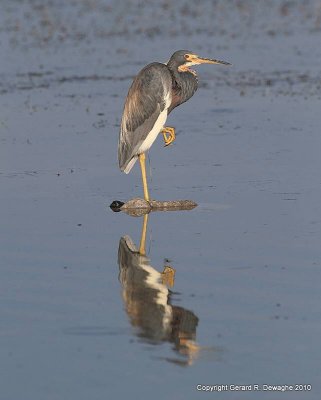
(168, 134)
(142, 158)
(142, 247)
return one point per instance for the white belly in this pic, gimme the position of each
(159, 124)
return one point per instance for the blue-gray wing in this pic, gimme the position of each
(145, 101)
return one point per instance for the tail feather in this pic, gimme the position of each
(127, 167)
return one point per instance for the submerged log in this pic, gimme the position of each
(139, 206)
(172, 205)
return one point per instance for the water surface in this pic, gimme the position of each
(84, 315)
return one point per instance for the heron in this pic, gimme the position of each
(155, 92)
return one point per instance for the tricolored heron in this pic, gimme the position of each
(155, 92)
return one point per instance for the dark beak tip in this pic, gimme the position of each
(219, 61)
(225, 63)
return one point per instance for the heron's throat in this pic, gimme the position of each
(185, 68)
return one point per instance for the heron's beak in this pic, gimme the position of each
(200, 60)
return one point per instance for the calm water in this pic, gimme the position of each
(83, 314)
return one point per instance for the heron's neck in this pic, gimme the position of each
(184, 85)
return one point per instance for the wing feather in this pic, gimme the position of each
(145, 101)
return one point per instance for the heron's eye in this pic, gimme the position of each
(187, 57)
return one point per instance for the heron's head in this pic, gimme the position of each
(183, 59)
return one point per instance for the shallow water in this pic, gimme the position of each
(83, 315)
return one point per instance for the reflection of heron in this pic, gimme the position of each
(147, 301)
(154, 93)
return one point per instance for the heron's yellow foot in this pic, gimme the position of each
(168, 276)
(168, 134)
(190, 345)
